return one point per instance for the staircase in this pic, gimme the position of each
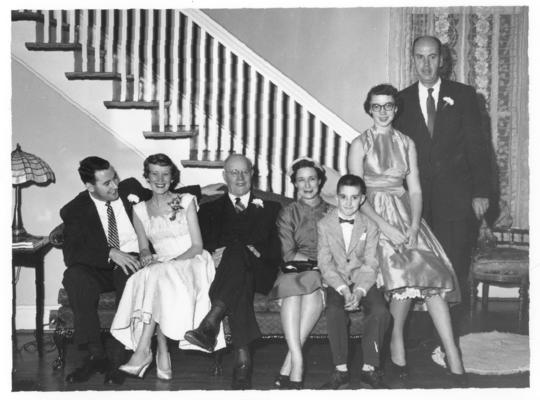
(198, 84)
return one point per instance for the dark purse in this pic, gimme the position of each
(298, 266)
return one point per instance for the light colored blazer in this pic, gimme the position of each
(357, 266)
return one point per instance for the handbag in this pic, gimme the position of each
(298, 266)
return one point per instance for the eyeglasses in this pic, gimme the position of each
(236, 172)
(379, 107)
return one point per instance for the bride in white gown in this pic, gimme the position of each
(170, 294)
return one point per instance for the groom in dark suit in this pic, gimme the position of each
(100, 247)
(443, 119)
(240, 230)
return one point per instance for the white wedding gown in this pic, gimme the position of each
(173, 293)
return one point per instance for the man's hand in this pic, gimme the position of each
(480, 206)
(214, 188)
(351, 300)
(393, 234)
(125, 261)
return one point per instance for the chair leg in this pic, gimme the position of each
(60, 343)
(485, 296)
(472, 299)
(523, 301)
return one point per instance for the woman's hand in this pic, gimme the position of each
(412, 236)
(145, 257)
(393, 234)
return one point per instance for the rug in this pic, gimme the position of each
(491, 353)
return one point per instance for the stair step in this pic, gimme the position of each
(96, 76)
(202, 164)
(141, 105)
(53, 46)
(182, 133)
(26, 16)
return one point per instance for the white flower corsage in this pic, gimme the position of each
(448, 100)
(133, 198)
(257, 203)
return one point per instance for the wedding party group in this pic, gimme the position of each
(401, 231)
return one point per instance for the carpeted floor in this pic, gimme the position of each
(492, 353)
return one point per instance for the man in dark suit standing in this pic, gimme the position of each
(100, 247)
(443, 119)
(240, 230)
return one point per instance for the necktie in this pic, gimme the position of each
(238, 206)
(112, 233)
(346, 221)
(430, 107)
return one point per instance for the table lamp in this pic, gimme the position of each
(26, 169)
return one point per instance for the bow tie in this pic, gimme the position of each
(346, 221)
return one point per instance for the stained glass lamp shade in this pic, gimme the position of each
(26, 169)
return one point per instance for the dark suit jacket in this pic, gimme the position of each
(261, 232)
(454, 164)
(85, 241)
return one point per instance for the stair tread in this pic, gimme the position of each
(202, 164)
(26, 16)
(149, 105)
(96, 75)
(168, 133)
(52, 46)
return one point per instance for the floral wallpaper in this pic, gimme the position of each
(485, 47)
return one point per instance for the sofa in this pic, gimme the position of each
(267, 311)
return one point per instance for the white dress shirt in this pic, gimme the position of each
(126, 233)
(423, 95)
(244, 199)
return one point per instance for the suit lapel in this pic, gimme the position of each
(92, 219)
(335, 228)
(128, 207)
(441, 106)
(358, 229)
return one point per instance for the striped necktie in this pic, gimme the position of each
(238, 206)
(112, 233)
(430, 108)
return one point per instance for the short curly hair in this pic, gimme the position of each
(162, 160)
(384, 89)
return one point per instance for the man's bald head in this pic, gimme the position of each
(237, 173)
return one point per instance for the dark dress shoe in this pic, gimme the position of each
(338, 380)
(400, 370)
(114, 377)
(459, 380)
(204, 337)
(241, 378)
(372, 380)
(294, 385)
(90, 367)
(281, 381)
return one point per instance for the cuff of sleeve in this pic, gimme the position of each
(361, 289)
(340, 288)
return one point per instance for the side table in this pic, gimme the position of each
(30, 252)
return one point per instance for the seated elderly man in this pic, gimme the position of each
(240, 230)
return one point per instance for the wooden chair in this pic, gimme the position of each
(502, 259)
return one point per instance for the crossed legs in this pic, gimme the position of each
(299, 314)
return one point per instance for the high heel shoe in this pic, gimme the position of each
(295, 385)
(401, 370)
(164, 374)
(281, 381)
(136, 370)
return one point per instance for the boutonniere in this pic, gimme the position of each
(257, 203)
(448, 101)
(133, 198)
(175, 206)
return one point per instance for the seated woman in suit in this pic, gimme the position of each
(384, 158)
(170, 294)
(299, 284)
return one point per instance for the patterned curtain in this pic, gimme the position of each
(485, 47)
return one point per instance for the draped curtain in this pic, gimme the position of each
(485, 47)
